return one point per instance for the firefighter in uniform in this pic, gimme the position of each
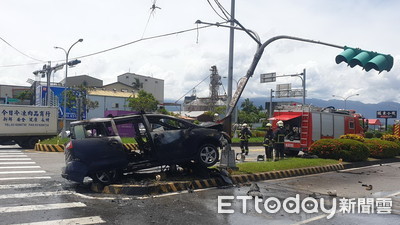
(279, 138)
(268, 142)
(244, 135)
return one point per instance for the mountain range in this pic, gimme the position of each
(368, 110)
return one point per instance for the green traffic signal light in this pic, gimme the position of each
(366, 59)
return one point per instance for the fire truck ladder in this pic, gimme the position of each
(305, 122)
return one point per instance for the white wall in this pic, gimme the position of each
(106, 103)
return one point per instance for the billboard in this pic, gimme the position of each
(57, 99)
(386, 114)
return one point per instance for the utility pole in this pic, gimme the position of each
(230, 63)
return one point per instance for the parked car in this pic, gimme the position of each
(95, 148)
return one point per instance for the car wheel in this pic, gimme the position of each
(105, 177)
(208, 155)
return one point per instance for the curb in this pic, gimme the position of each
(162, 188)
(285, 173)
(60, 148)
(155, 189)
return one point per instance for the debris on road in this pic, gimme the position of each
(332, 193)
(254, 191)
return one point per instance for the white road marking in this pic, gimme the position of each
(15, 159)
(26, 208)
(365, 167)
(8, 151)
(17, 186)
(11, 153)
(13, 156)
(82, 220)
(19, 167)
(392, 195)
(35, 194)
(24, 178)
(23, 172)
(16, 163)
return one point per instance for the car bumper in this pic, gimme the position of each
(75, 171)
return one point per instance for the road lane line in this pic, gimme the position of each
(26, 208)
(15, 159)
(81, 220)
(19, 167)
(392, 195)
(365, 167)
(18, 186)
(35, 194)
(24, 178)
(16, 163)
(23, 172)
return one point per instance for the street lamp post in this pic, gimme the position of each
(345, 99)
(63, 133)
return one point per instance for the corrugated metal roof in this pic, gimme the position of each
(111, 93)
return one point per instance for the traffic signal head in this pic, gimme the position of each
(366, 59)
(74, 62)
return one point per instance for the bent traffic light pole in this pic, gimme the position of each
(260, 50)
(372, 61)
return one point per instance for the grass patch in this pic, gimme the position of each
(58, 140)
(251, 140)
(286, 164)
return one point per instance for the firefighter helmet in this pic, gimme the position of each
(245, 125)
(279, 123)
(269, 125)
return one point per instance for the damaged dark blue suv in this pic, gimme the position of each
(96, 149)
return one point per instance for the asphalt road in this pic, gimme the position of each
(32, 191)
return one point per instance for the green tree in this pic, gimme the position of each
(143, 102)
(248, 106)
(249, 113)
(25, 95)
(137, 84)
(77, 99)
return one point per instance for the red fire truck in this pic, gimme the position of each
(306, 124)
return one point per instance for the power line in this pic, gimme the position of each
(141, 39)
(223, 10)
(224, 18)
(193, 88)
(120, 46)
(17, 65)
(20, 51)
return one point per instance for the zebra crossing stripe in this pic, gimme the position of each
(81, 220)
(19, 167)
(26, 208)
(35, 194)
(18, 186)
(24, 178)
(15, 159)
(9, 151)
(23, 172)
(16, 163)
(13, 155)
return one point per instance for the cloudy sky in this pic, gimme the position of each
(184, 59)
